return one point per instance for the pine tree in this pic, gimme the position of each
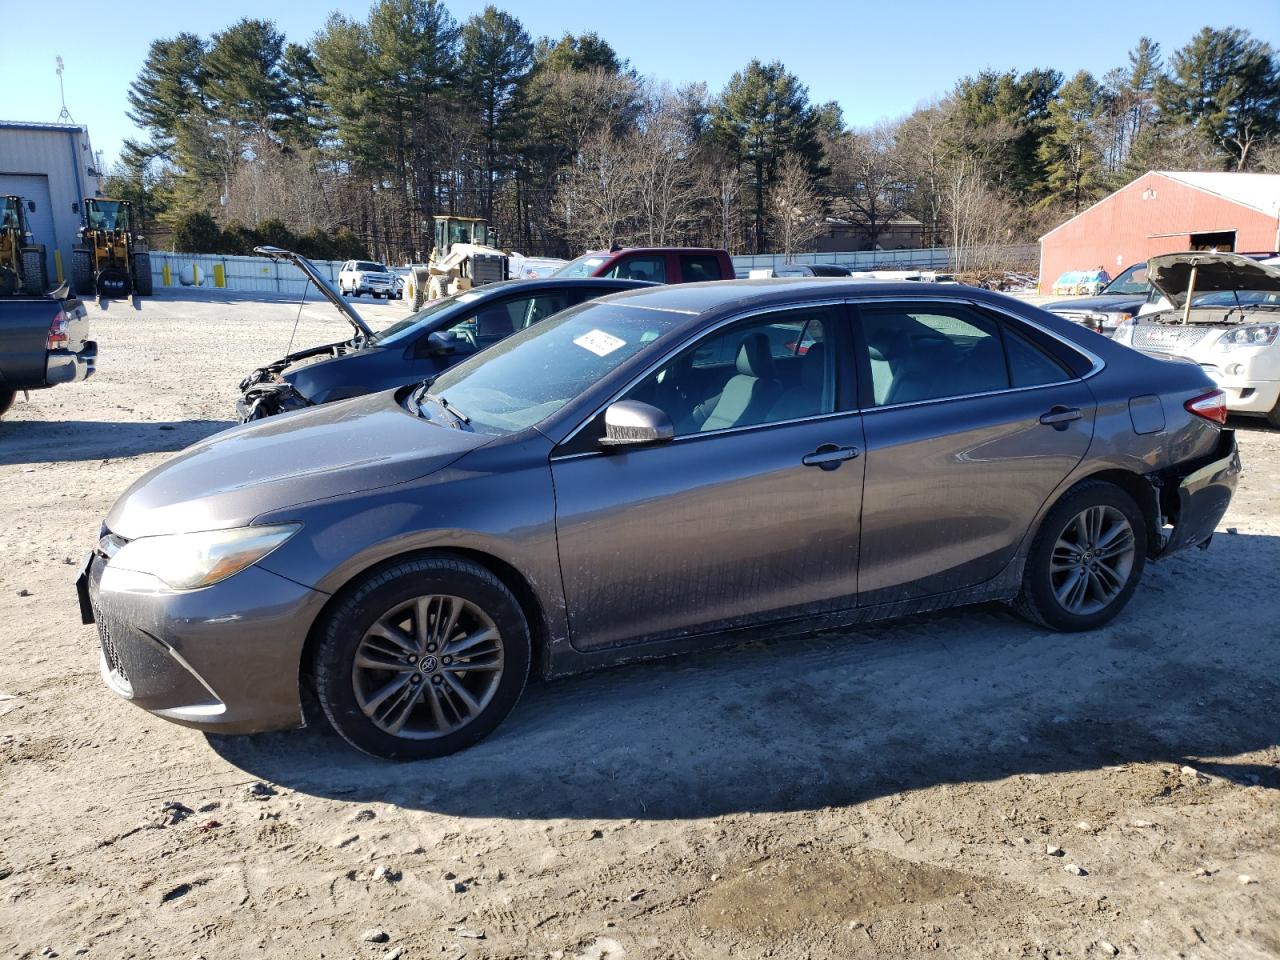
(1069, 150)
(763, 114)
(497, 56)
(1224, 85)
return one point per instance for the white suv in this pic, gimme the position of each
(1232, 328)
(362, 276)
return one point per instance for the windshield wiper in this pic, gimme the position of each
(423, 393)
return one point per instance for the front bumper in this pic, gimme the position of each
(1202, 496)
(62, 366)
(223, 659)
(378, 286)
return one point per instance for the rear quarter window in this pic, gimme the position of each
(695, 268)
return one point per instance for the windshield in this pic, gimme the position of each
(108, 215)
(1244, 298)
(585, 266)
(368, 267)
(532, 374)
(1133, 281)
(403, 329)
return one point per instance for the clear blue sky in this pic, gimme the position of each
(877, 59)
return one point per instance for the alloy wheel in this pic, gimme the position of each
(428, 667)
(1092, 560)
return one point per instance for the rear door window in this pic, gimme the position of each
(640, 268)
(931, 351)
(697, 267)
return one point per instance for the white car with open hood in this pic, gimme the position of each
(1223, 313)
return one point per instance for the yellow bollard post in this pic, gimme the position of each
(219, 275)
(57, 264)
(166, 275)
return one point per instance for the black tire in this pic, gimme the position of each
(369, 602)
(142, 274)
(82, 271)
(10, 282)
(6, 400)
(113, 283)
(1038, 600)
(1273, 416)
(35, 276)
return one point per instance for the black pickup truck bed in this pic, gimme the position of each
(44, 341)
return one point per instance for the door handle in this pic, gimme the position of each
(829, 456)
(1060, 416)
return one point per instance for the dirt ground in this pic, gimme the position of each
(958, 784)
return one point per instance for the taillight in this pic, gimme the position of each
(1211, 406)
(57, 332)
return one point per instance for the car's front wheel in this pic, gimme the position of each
(422, 659)
(1086, 559)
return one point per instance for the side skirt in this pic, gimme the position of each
(564, 661)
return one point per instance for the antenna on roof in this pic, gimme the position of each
(65, 115)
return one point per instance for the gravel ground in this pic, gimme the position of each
(958, 784)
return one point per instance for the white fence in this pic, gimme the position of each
(932, 258)
(261, 275)
(245, 274)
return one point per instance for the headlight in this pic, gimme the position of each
(1114, 319)
(1257, 335)
(188, 561)
(1123, 332)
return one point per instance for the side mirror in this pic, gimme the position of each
(632, 423)
(438, 344)
(31, 205)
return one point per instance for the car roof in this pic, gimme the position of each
(559, 283)
(622, 250)
(715, 295)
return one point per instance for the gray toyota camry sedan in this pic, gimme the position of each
(653, 472)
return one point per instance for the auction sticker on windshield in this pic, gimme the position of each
(600, 343)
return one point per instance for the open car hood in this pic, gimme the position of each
(323, 285)
(1171, 274)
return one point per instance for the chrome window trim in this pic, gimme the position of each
(868, 411)
(1097, 364)
(676, 350)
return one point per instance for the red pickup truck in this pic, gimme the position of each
(659, 264)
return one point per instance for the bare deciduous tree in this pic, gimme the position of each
(665, 179)
(869, 177)
(596, 202)
(794, 210)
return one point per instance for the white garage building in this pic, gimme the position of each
(51, 165)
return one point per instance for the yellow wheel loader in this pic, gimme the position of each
(465, 254)
(112, 259)
(22, 262)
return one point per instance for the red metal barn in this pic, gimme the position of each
(1163, 212)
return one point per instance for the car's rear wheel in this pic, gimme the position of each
(1086, 559)
(422, 659)
(6, 400)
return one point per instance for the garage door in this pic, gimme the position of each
(35, 188)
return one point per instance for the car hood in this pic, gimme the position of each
(279, 462)
(1107, 303)
(1171, 274)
